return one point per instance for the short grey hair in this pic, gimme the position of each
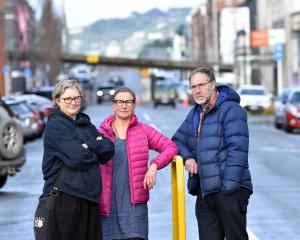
(61, 87)
(208, 71)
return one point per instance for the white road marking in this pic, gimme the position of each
(152, 125)
(146, 116)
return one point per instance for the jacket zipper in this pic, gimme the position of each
(198, 139)
(129, 170)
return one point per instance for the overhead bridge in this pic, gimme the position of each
(141, 63)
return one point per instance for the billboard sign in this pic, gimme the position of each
(267, 38)
(259, 38)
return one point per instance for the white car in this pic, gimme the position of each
(255, 98)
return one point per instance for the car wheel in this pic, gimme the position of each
(3, 180)
(11, 138)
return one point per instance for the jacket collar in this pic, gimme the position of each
(107, 123)
(81, 118)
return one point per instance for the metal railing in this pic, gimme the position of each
(178, 199)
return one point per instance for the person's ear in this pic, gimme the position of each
(214, 83)
(57, 101)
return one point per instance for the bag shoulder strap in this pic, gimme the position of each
(58, 181)
(62, 171)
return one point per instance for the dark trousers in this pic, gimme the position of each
(74, 218)
(221, 215)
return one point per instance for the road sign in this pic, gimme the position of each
(27, 72)
(92, 59)
(6, 70)
(278, 52)
(259, 39)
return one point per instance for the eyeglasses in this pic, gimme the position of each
(200, 85)
(68, 100)
(120, 103)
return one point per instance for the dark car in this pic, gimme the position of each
(42, 91)
(25, 117)
(46, 92)
(165, 94)
(12, 151)
(40, 103)
(105, 93)
(116, 80)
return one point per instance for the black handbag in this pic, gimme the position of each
(193, 184)
(44, 209)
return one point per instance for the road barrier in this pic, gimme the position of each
(178, 199)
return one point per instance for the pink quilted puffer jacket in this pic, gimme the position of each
(140, 138)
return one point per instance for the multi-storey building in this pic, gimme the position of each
(274, 63)
(29, 45)
(284, 17)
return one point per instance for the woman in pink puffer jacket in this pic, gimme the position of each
(126, 178)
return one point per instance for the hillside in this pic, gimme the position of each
(162, 25)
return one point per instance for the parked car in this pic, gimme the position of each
(24, 115)
(12, 151)
(42, 91)
(46, 92)
(287, 110)
(164, 94)
(44, 104)
(255, 98)
(279, 105)
(105, 93)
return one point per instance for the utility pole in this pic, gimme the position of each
(215, 30)
(50, 34)
(2, 53)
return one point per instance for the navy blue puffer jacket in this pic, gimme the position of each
(222, 150)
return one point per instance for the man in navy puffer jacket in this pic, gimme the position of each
(214, 141)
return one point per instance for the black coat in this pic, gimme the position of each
(63, 139)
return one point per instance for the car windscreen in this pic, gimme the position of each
(296, 98)
(19, 108)
(253, 92)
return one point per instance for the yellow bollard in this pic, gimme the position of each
(178, 199)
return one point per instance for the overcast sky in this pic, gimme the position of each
(83, 12)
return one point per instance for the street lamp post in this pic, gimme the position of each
(241, 35)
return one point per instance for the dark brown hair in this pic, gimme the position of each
(124, 89)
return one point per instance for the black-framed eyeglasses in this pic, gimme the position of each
(120, 103)
(200, 85)
(69, 100)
